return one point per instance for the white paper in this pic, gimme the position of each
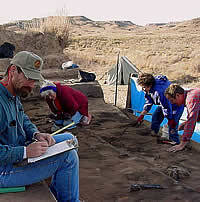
(53, 150)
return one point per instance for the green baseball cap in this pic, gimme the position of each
(30, 64)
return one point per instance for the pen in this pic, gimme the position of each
(34, 140)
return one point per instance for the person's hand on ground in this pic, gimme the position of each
(45, 137)
(140, 119)
(86, 120)
(178, 147)
(36, 149)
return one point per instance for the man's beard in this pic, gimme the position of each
(23, 92)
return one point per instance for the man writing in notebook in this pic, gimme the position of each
(17, 133)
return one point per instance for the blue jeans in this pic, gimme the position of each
(64, 169)
(157, 118)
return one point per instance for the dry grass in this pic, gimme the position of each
(170, 50)
(59, 26)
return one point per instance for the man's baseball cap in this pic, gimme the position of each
(30, 64)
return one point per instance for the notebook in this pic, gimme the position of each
(56, 149)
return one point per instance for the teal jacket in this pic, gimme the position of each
(16, 129)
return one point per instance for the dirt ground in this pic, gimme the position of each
(114, 155)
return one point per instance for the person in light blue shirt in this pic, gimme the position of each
(18, 135)
(154, 88)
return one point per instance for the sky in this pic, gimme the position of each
(140, 12)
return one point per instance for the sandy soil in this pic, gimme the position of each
(114, 155)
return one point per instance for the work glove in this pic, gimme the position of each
(172, 123)
(140, 119)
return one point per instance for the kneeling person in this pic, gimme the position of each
(66, 103)
(154, 88)
(191, 99)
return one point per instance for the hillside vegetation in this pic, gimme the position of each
(172, 49)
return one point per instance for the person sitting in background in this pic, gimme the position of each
(18, 135)
(154, 88)
(67, 104)
(191, 99)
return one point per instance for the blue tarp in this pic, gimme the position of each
(138, 100)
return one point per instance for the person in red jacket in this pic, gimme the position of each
(66, 103)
